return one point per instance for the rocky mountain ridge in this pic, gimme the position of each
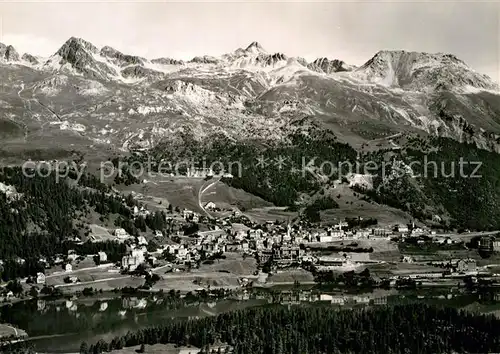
(393, 93)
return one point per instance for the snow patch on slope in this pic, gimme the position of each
(468, 89)
(92, 88)
(289, 73)
(52, 86)
(65, 125)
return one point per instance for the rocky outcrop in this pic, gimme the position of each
(138, 71)
(255, 48)
(167, 61)
(11, 54)
(421, 72)
(30, 59)
(271, 59)
(120, 59)
(8, 53)
(324, 65)
(81, 55)
(206, 59)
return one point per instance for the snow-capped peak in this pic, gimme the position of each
(420, 71)
(255, 48)
(82, 57)
(75, 43)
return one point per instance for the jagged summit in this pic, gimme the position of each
(415, 71)
(8, 53)
(75, 44)
(220, 93)
(255, 48)
(204, 59)
(30, 58)
(329, 66)
(11, 54)
(167, 61)
(271, 59)
(83, 57)
(120, 59)
(421, 71)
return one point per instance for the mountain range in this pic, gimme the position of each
(100, 100)
(105, 97)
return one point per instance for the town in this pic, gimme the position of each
(196, 252)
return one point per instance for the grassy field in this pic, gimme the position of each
(290, 277)
(7, 330)
(410, 268)
(105, 285)
(100, 233)
(88, 262)
(351, 206)
(84, 276)
(193, 281)
(264, 214)
(181, 192)
(387, 256)
(229, 197)
(234, 263)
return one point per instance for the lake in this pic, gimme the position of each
(59, 326)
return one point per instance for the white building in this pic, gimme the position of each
(402, 228)
(141, 240)
(121, 234)
(103, 306)
(338, 300)
(103, 257)
(68, 268)
(182, 253)
(132, 261)
(72, 256)
(325, 297)
(40, 278)
(362, 233)
(417, 232)
(325, 238)
(210, 206)
(337, 234)
(407, 259)
(361, 299)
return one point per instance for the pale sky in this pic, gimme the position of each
(350, 31)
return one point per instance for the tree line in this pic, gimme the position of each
(410, 328)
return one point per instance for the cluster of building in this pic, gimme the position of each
(489, 243)
(296, 297)
(284, 244)
(277, 244)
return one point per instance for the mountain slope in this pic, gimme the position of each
(102, 101)
(394, 92)
(422, 72)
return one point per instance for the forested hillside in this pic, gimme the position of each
(44, 215)
(278, 173)
(424, 177)
(440, 188)
(408, 329)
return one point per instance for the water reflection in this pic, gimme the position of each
(61, 325)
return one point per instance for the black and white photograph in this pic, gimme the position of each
(249, 177)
